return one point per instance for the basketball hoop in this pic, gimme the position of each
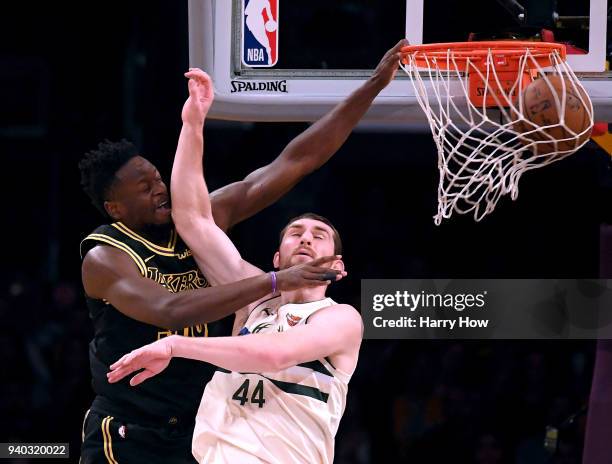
(484, 120)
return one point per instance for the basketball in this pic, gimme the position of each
(541, 108)
(270, 26)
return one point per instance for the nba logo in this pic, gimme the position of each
(259, 33)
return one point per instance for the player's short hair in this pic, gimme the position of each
(98, 168)
(316, 217)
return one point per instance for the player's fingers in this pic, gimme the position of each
(403, 47)
(393, 60)
(118, 374)
(111, 376)
(315, 282)
(195, 79)
(204, 75)
(398, 46)
(200, 79)
(317, 278)
(318, 283)
(116, 364)
(119, 362)
(200, 76)
(131, 357)
(209, 90)
(311, 274)
(336, 277)
(332, 276)
(196, 72)
(323, 273)
(308, 277)
(192, 85)
(193, 72)
(136, 359)
(324, 259)
(141, 377)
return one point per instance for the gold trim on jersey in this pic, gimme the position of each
(160, 250)
(122, 246)
(172, 240)
(108, 441)
(191, 331)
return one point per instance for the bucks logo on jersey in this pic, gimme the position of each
(293, 320)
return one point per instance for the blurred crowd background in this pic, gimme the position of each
(70, 79)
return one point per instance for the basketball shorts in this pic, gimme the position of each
(108, 439)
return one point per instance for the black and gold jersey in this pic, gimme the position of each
(177, 391)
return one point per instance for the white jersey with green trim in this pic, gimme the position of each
(289, 416)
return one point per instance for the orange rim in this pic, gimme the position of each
(435, 55)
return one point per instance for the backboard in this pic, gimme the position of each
(317, 52)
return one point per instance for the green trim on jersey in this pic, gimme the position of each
(297, 389)
(316, 366)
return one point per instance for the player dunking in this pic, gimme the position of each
(303, 346)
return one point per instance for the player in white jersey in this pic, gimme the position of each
(279, 415)
(281, 389)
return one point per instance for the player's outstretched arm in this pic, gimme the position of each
(333, 331)
(214, 252)
(306, 153)
(187, 184)
(109, 273)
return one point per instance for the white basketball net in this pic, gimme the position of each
(480, 154)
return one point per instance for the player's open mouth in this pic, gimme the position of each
(164, 205)
(302, 252)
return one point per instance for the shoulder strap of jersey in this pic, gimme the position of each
(128, 233)
(272, 303)
(324, 303)
(109, 235)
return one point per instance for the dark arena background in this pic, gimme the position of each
(72, 75)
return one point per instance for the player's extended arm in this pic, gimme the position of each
(330, 332)
(214, 252)
(307, 152)
(109, 274)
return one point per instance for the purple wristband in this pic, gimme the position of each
(273, 277)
